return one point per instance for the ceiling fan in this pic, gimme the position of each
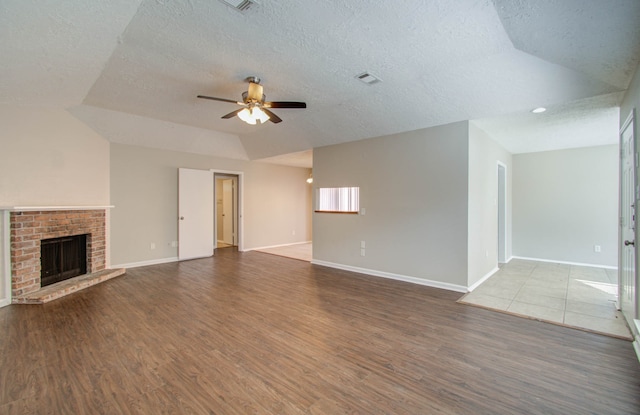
(254, 107)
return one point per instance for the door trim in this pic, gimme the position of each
(502, 214)
(629, 123)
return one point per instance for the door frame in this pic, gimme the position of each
(502, 212)
(630, 122)
(239, 207)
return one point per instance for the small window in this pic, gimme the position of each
(338, 199)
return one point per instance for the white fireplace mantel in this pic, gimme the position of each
(44, 208)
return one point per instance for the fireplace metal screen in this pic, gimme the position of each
(62, 258)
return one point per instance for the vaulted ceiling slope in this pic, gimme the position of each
(131, 69)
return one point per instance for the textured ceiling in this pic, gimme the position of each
(132, 69)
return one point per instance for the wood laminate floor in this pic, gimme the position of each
(252, 333)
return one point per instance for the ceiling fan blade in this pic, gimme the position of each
(285, 104)
(272, 117)
(220, 99)
(232, 114)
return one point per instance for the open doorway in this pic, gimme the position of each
(226, 210)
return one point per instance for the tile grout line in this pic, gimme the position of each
(520, 289)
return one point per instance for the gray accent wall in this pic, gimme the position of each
(413, 187)
(144, 189)
(564, 203)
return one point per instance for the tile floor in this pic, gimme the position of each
(302, 251)
(571, 295)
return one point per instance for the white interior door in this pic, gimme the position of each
(627, 284)
(195, 213)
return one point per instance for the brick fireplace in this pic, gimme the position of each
(28, 228)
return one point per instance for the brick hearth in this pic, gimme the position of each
(28, 228)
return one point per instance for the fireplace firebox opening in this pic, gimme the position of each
(62, 258)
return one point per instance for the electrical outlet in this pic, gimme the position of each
(362, 252)
(596, 248)
(362, 244)
(152, 245)
(293, 233)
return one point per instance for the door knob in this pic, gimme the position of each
(627, 243)
(181, 217)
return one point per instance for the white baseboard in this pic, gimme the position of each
(145, 263)
(389, 275)
(5, 302)
(483, 279)
(276, 246)
(582, 264)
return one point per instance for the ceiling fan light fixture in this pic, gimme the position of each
(259, 115)
(253, 115)
(245, 115)
(538, 110)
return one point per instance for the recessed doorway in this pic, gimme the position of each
(226, 210)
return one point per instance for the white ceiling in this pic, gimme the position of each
(132, 69)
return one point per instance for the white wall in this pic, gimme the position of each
(414, 189)
(144, 189)
(564, 203)
(484, 155)
(49, 158)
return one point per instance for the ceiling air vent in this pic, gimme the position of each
(240, 5)
(368, 79)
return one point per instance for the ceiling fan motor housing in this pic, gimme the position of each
(255, 92)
